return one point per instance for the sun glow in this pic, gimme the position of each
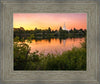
(30, 21)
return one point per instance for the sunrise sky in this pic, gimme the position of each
(29, 21)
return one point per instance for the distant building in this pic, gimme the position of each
(64, 27)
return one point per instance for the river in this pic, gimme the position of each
(55, 46)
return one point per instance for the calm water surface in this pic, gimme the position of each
(55, 46)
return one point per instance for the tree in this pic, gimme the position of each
(60, 29)
(35, 28)
(21, 28)
(49, 29)
(75, 30)
(71, 31)
(21, 52)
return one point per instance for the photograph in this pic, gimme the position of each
(50, 41)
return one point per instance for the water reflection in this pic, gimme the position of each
(55, 46)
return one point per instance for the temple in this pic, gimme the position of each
(64, 27)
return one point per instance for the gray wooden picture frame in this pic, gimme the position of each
(9, 76)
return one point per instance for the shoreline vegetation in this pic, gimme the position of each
(74, 59)
(39, 34)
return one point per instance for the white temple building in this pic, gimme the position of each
(64, 27)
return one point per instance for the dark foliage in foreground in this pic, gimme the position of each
(74, 59)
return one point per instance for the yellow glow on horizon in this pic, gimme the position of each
(30, 21)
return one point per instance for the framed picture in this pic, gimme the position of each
(50, 42)
(44, 43)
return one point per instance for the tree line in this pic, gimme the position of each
(48, 33)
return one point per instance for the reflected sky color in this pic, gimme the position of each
(55, 46)
(53, 20)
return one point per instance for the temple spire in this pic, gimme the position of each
(64, 27)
